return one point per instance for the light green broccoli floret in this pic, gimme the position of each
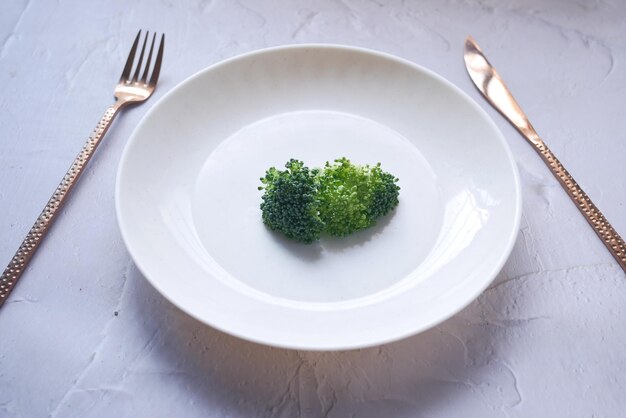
(354, 196)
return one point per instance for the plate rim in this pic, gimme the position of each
(325, 345)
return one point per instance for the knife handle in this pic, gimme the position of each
(592, 214)
(29, 246)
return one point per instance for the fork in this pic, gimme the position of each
(130, 90)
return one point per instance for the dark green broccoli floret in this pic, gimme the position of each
(353, 197)
(385, 193)
(291, 202)
(338, 200)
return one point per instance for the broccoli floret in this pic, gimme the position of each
(385, 193)
(291, 202)
(353, 196)
(338, 200)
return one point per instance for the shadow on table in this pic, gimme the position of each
(454, 365)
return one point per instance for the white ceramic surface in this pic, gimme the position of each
(188, 204)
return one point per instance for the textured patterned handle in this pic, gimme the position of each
(596, 219)
(20, 260)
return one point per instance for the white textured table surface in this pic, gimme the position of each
(85, 335)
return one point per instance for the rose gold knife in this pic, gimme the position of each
(488, 81)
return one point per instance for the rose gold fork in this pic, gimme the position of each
(130, 90)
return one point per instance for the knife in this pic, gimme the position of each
(489, 83)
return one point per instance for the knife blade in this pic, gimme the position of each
(490, 84)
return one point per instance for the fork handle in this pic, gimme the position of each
(592, 214)
(25, 252)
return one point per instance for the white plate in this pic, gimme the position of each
(188, 204)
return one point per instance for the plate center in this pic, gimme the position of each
(228, 219)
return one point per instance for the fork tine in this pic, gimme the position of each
(157, 63)
(144, 77)
(129, 61)
(138, 70)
